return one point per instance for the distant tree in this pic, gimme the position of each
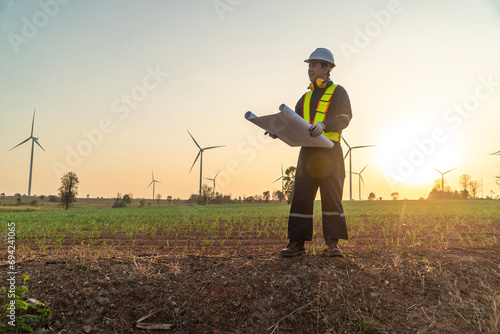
(17, 195)
(279, 195)
(206, 193)
(127, 199)
(395, 195)
(19, 201)
(474, 188)
(371, 197)
(169, 199)
(249, 199)
(464, 180)
(158, 198)
(380, 198)
(437, 184)
(68, 189)
(2, 194)
(266, 195)
(42, 197)
(88, 196)
(289, 179)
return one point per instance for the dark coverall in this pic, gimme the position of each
(323, 168)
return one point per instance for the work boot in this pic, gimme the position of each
(332, 249)
(294, 248)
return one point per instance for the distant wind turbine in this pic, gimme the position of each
(200, 155)
(153, 183)
(281, 178)
(442, 177)
(214, 181)
(33, 141)
(349, 152)
(360, 180)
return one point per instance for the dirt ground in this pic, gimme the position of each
(245, 287)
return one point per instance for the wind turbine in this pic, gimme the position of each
(442, 177)
(33, 141)
(153, 183)
(213, 180)
(200, 155)
(360, 180)
(281, 177)
(349, 152)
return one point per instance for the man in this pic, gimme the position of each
(327, 107)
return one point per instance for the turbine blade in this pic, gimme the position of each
(439, 171)
(36, 141)
(361, 177)
(33, 123)
(208, 148)
(194, 140)
(363, 169)
(195, 161)
(363, 146)
(281, 169)
(449, 170)
(152, 175)
(149, 184)
(279, 178)
(345, 141)
(20, 144)
(217, 174)
(348, 151)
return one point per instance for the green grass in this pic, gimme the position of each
(391, 223)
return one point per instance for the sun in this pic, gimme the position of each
(412, 150)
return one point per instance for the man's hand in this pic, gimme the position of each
(273, 136)
(317, 129)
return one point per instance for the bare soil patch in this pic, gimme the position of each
(248, 288)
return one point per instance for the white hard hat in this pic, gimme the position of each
(322, 54)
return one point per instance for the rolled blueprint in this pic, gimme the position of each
(289, 127)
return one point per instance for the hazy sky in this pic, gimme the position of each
(117, 84)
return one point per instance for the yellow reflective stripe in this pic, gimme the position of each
(334, 136)
(321, 110)
(307, 102)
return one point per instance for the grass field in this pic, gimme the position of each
(410, 266)
(381, 224)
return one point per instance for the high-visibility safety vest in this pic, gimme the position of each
(321, 110)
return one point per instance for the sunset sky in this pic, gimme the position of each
(118, 84)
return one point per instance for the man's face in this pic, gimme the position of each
(316, 71)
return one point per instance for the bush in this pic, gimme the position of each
(34, 203)
(119, 203)
(28, 311)
(19, 201)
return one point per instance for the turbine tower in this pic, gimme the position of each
(349, 152)
(200, 155)
(33, 141)
(153, 183)
(442, 177)
(360, 180)
(214, 181)
(280, 178)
